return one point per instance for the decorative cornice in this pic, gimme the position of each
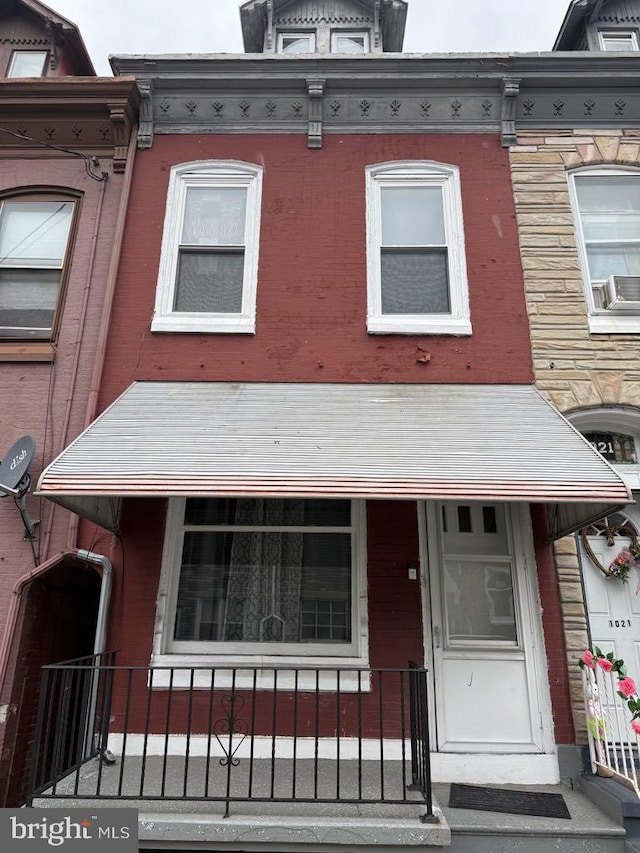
(386, 94)
(94, 116)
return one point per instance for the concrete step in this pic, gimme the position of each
(590, 830)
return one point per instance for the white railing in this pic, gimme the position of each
(614, 747)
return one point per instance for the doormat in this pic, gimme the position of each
(508, 801)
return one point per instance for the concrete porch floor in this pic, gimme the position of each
(313, 827)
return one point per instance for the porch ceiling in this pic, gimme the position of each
(449, 442)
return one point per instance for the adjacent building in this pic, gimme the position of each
(67, 140)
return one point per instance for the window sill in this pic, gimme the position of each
(614, 324)
(26, 351)
(410, 325)
(244, 666)
(203, 324)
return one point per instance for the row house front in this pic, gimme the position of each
(67, 139)
(331, 482)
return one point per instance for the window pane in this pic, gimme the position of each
(214, 216)
(415, 282)
(611, 226)
(34, 233)
(613, 260)
(412, 216)
(296, 44)
(479, 601)
(27, 63)
(256, 511)
(27, 302)
(210, 282)
(349, 44)
(624, 41)
(612, 193)
(256, 586)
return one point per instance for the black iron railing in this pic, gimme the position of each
(232, 734)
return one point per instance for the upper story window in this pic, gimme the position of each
(34, 254)
(607, 207)
(261, 577)
(618, 40)
(27, 63)
(346, 42)
(296, 42)
(209, 263)
(417, 277)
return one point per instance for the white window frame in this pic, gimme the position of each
(414, 173)
(306, 34)
(208, 173)
(336, 34)
(16, 53)
(168, 652)
(618, 35)
(600, 320)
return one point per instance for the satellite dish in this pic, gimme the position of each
(15, 465)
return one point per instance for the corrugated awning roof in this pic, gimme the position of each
(449, 442)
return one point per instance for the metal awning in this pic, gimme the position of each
(449, 442)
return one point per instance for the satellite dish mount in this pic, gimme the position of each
(15, 480)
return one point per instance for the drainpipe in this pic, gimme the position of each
(105, 596)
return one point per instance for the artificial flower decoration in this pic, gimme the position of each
(627, 559)
(627, 689)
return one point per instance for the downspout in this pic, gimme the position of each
(105, 596)
(107, 305)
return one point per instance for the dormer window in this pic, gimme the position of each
(27, 63)
(618, 40)
(296, 43)
(346, 42)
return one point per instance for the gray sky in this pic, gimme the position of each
(213, 26)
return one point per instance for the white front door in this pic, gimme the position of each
(613, 607)
(483, 637)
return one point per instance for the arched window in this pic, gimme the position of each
(35, 240)
(209, 263)
(417, 275)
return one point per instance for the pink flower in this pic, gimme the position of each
(588, 659)
(635, 725)
(606, 665)
(625, 556)
(626, 686)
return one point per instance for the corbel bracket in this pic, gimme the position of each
(269, 38)
(121, 121)
(315, 88)
(376, 24)
(510, 91)
(145, 130)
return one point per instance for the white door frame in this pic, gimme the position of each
(539, 762)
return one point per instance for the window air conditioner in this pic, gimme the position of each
(622, 293)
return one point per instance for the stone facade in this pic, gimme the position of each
(574, 368)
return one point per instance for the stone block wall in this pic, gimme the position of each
(574, 368)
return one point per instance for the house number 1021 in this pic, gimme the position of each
(620, 623)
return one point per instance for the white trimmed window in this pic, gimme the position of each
(607, 212)
(417, 274)
(343, 41)
(618, 40)
(27, 63)
(280, 579)
(209, 262)
(296, 42)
